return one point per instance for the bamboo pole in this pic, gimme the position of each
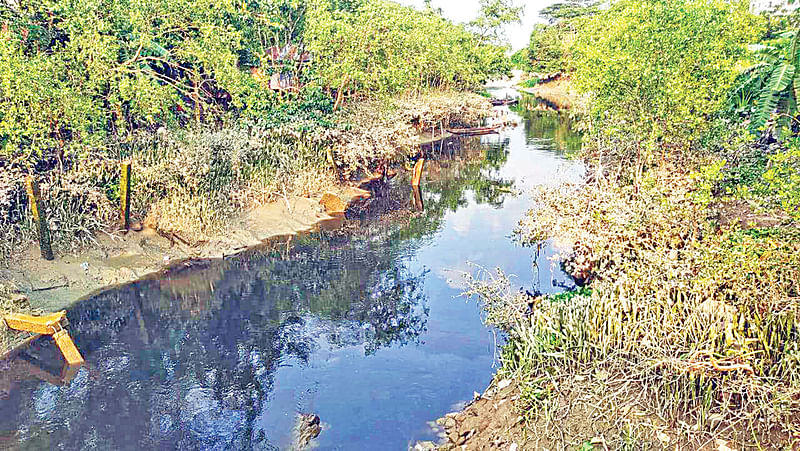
(40, 216)
(124, 195)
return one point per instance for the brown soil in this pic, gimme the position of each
(491, 421)
(589, 411)
(741, 213)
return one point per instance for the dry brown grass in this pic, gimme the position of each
(695, 325)
(384, 131)
(194, 182)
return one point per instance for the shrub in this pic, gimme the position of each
(657, 71)
(380, 46)
(783, 179)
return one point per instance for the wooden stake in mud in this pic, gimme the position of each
(417, 174)
(39, 215)
(124, 195)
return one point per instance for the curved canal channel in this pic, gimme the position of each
(361, 325)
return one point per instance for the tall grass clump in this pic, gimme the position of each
(193, 182)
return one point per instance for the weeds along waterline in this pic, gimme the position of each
(694, 324)
(193, 181)
(187, 181)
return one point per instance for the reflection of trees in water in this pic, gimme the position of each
(544, 120)
(452, 169)
(189, 359)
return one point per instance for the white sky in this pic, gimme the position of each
(466, 10)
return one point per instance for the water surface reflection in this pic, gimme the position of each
(357, 325)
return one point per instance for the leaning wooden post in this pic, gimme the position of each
(417, 174)
(124, 195)
(40, 216)
(52, 324)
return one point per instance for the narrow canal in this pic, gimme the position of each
(361, 325)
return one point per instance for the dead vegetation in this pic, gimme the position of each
(693, 325)
(378, 131)
(191, 183)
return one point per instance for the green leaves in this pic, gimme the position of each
(492, 17)
(76, 73)
(658, 70)
(774, 80)
(381, 47)
(781, 77)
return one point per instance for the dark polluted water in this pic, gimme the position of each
(362, 326)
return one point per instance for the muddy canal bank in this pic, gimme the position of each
(360, 325)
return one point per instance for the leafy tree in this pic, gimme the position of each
(548, 48)
(493, 16)
(76, 72)
(657, 70)
(384, 47)
(568, 10)
(521, 60)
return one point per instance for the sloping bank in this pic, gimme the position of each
(684, 336)
(204, 194)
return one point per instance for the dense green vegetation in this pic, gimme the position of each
(184, 89)
(76, 73)
(658, 87)
(548, 49)
(685, 232)
(383, 47)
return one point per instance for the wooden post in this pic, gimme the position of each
(124, 195)
(40, 216)
(417, 174)
(68, 349)
(53, 325)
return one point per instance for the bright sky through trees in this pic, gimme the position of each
(466, 10)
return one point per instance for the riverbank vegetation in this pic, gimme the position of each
(684, 239)
(219, 105)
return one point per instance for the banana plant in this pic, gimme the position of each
(773, 82)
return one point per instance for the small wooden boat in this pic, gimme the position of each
(474, 130)
(500, 102)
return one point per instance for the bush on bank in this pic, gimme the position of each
(691, 315)
(182, 87)
(658, 71)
